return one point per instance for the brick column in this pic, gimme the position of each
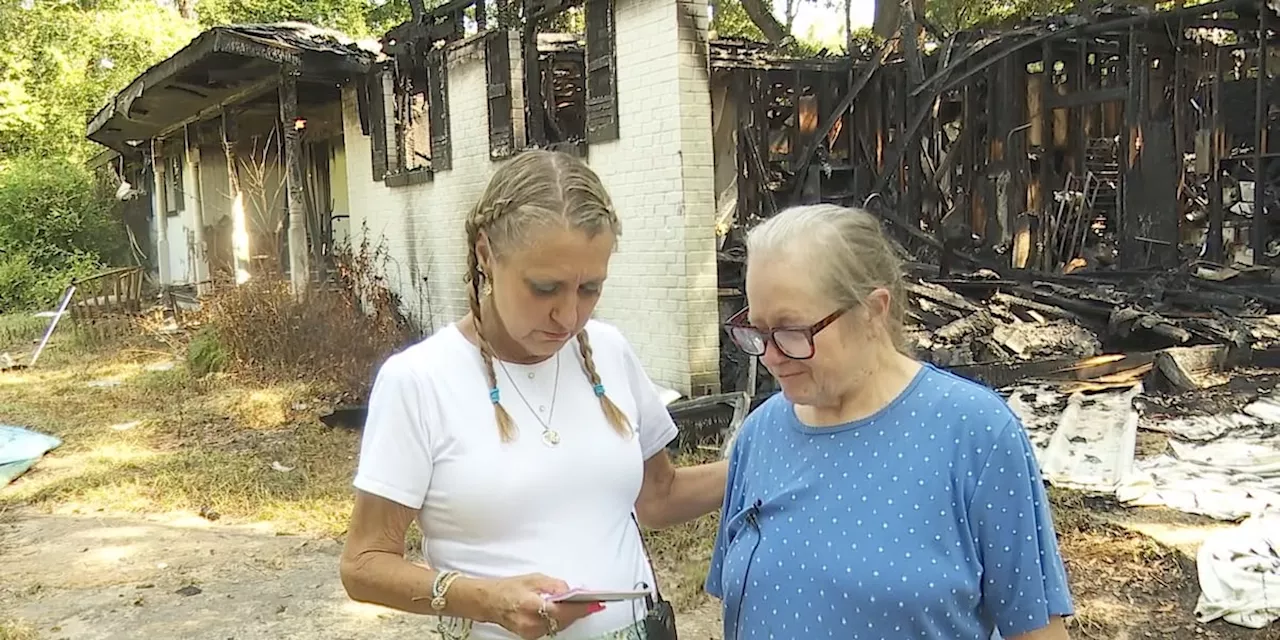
(660, 172)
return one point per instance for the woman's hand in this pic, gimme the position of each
(520, 605)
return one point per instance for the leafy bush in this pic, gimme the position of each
(56, 224)
(206, 354)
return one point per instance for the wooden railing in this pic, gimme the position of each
(114, 292)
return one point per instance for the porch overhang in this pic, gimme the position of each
(222, 67)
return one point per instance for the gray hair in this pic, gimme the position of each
(849, 253)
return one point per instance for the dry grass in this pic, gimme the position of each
(140, 434)
(11, 629)
(336, 335)
(1119, 578)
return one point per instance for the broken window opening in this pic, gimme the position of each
(413, 128)
(562, 70)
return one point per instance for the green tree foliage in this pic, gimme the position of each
(954, 15)
(730, 20)
(60, 61)
(357, 18)
(56, 223)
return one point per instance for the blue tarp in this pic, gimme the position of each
(20, 449)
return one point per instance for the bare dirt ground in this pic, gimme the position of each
(214, 508)
(86, 577)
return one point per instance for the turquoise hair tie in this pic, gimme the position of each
(493, 395)
(599, 390)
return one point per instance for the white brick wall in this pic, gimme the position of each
(421, 226)
(662, 281)
(662, 290)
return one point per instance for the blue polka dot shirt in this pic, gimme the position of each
(927, 520)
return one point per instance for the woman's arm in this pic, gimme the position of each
(671, 495)
(374, 568)
(1057, 630)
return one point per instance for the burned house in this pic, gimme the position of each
(1117, 141)
(230, 153)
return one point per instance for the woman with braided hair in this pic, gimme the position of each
(525, 439)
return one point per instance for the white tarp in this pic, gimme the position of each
(1239, 571)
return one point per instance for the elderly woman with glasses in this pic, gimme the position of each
(876, 497)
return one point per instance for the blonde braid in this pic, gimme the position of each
(611, 411)
(506, 426)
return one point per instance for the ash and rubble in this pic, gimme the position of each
(1188, 361)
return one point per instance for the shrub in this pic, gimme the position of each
(56, 224)
(337, 334)
(206, 354)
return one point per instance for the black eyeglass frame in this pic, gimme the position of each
(738, 321)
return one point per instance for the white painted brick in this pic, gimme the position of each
(660, 174)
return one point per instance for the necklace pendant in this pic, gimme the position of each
(551, 437)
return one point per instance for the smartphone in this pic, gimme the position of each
(589, 595)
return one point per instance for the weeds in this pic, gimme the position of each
(335, 335)
(205, 354)
(11, 629)
(685, 550)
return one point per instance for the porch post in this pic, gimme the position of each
(203, 285)
(160, 210)
(299, 270)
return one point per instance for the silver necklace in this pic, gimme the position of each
(550, 437)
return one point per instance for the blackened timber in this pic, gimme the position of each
(497, 58)
(829, 120)
(1159, 165)
(1082, 98)
(1080, 138)
(438, 111)
(912, 197)
(1214, 249)
(533, 101)
(601, 76)
(1131, 176)
(1046, 136)
(1258, 231)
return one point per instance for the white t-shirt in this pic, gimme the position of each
(492, 509)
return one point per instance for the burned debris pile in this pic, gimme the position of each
(984, 318)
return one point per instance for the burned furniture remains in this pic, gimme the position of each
(117, 292)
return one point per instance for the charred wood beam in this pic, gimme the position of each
(829, 120)
(299, 267)
(1213, 243)
(1046, 173)
(1117, 27)
(1130, 176)
(1088, 98)
(534, 100)
(1258, 235)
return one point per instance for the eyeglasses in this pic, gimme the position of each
(793, 342)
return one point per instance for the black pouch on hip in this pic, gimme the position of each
(659, 615)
